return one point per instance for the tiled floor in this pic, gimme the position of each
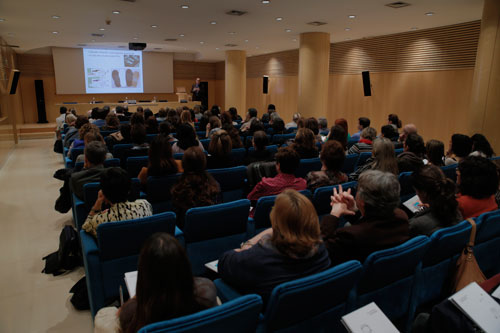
(29, 229)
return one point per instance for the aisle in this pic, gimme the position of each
(29, 300)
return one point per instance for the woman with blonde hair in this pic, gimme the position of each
(383, 159)
(290, 249)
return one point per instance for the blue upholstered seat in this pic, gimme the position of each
(205, 143)
(232, 182)
(321, 197)
(238, 315)
(362, 159)
(389, 280)
(351, 142)
(158, 192)
(349, 163)
(119, 151)
(407, 190)
(110, 162)
(314, 303)
(150, 137)
(115, 252)
(450, 171)
(307, 165)
(398, 151)
(134, 165)
(210, 231)
(282, 138)
(69, 162)
(238, 155)
(201, 134)
(487, 248)
(272, 148)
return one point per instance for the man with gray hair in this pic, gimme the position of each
(407, 129)
(293, 123)
(376, 221)
(94, 156)
(323, 126)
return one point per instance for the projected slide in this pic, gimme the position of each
(112, 71)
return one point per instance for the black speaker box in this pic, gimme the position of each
(265, 84)
(13, 81)
(136, 46)
(40, 102)
(367, 87)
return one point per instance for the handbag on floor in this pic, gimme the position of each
(69, 255)
(468, 270)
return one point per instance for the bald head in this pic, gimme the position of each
(407, 129)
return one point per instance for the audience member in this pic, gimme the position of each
(195, 187)
(251, 116)
(151, 125)
(477, 180)
(185, 117)
(287, 162)
(388, 131)
(234, 114)
(163, 293)
(480, 146)
(313, 125)
(166, 129)
(112, 123)
(394, 120)
(138, 137)
(278, 125)
(323, 126)
(407, 129)
(383, 159)
(305, 144)
(147, 114)
(255, 125)
(62, 118)
(186, 137)
(115, 188)
(214, 125)
(219, 151)
(260, 153)
(197, 112)
(376, 221)
(363, 123)
(365, 143)
(293, 123)
(342, 122)
(437, 195)
(215, 110)
(120, 113)
(290, 249)
(339, 134)
(204, 121)
(121, 137)
(72, 132)
(161, 115)
(411, 158)
(228, 126)
(80, 143)
(90, 137)
(95, 154)
(332, 158)
(266, 117)
(137, 118)
(460, 148)
(100, 117)
(160, 162)
(435, 152)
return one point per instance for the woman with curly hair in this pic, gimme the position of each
(305, 143)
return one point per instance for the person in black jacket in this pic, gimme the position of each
(414, 152)
(259, 154)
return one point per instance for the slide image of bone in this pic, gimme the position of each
(131, 60)
(116, 78)
(135, 78)
(128, 77)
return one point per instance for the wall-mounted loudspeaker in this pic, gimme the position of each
(40, 102)
(265, 84)
(367, 87)
(136, 46)
(13, 81)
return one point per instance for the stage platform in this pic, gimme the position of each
(83, 108)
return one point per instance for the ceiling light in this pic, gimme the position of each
(347, 29)
(213, 22)
(347, 39)
(116, 12)
(217, 48)
(102, 29)
(181, 35)
(135, 38)
(352, 16)
(246, 40)
(157, 48)
(10, 34)
(154, 26)
(55, 32)
(2, 20)
(257, 47)
(414, 28)
(429, 13)
(202, 43)
(288, 30)
(294, 40)
(93, 40)
(279, 19)
(266, 2)
(56, 16)
(232, 33)
(184, 6)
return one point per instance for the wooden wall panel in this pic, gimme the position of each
(220, 93)
(285, 63)
(36, 64)
(190, 70)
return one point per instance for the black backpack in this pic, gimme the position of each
(68, 256)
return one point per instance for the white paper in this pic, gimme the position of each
(480, 307)
(368, 319)
(131, 282)
(496, 293)
(212, 265)
(413, 204)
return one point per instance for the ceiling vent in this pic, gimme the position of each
(170, 39)
(398, 4)
(230, 45)
(81, 44)
(316, 23)
(97, 35)
(236, 12)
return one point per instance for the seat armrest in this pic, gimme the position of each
(225, 292)
(89, 244)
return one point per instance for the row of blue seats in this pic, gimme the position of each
(398, 279)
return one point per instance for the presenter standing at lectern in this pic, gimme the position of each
(196, 90)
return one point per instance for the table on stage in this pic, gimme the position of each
(83, 108)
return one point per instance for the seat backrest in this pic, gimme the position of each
(205, 143)
(125, 238)
(240, 314)
(119, 150)
(158, 188)
(349, 163)
(75, 152)
(281, 138)
(307, 298)
(407, 191)
(398, 151)
(106, 133)
(450, 171)
(488, 226)
(362, 159)
(272, 148)
(238, 155)
(257, 170)
(322, 200)
(216, 221)
(351, 142)
(306, 165)
(446, 243)
(150, 137)
(135, 164)
(201, 134)
(230, 179)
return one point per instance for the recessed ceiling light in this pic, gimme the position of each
(246, 40)
(102, 29)
(56, 16)
(157, 48)
(352, 16)
(184, 6)
(414, 28)
(154, 26)
(116, 12)
(347, 29)
(202, 43)
(2, 20)
(266, 2)
(429, 13)
(93, 40)
(217, 48)
(257, 47)
(279, 19)
(213, 22)
(294, 40)
(232, 33)
(10, 34)
(135, 38)
(347, 39)
(181, 35)
(288, 30)
(55, 32)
